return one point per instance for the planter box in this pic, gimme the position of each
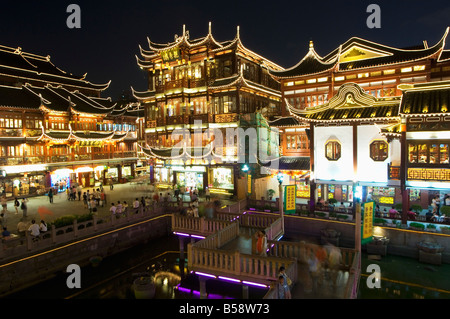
(375, 249)
(430, 258)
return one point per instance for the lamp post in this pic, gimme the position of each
(280, 201)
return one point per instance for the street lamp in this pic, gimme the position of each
(280, 200)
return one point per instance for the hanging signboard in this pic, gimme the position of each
(289, 199)
(367, 223)
(249, 183)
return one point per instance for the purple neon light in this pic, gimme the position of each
(181, 234)
(229, 279)
(203, 274)
(197, 236)
(252, 208)
(254, 284)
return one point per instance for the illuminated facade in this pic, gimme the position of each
(352, 102)
(201, 84)
(56, 128)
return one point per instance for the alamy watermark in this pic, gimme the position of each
(374, 279)
(238, 145)
(74, 19)
(374, 19)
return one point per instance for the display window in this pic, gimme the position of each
(333, 150)
(222, 177)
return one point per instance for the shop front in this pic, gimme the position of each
(221, 180)
(190, 177)
(62, 178)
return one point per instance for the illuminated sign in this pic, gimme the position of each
(171, 54)
(367, 226)
(386, 200)
(249, 183)
(289, 199)
(429, 174)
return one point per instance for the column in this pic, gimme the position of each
(203, 294)
(312, 185)
(244, 291)
(403, 172)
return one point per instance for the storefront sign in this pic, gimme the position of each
(249, 183)
(289, 199)
(367, 226)
(429, 174)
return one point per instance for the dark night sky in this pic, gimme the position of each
(106, 45)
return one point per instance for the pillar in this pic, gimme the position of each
(119, 173)
(203, 294)
(312, 186)
(244, 292)
(403, 170)
(181, 242)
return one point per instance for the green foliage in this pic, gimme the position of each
(68, 220)
(320, 214)
(332, 201)
(342, 216)
(417, 225)
(379, 221)
(445, 210)
(399, 206)
(270, 192)
(431, 226)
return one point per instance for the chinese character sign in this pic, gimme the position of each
(289, 199)
(249, 183)
(367, 225)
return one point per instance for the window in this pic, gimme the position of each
(379, 151)
(333, 150)
(434, 152)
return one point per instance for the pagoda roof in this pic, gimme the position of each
(18, 97)
(285, 121)
(85, 136)
(357, 53)
(351, 103)
(445, 56)
(143, 95)
(184, 41)
(177, 152)
(393, 130)
(311, 64)
(31, 67)
(425, 99)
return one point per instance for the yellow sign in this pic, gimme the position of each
(249, 183)
(386, 200)
(429, 174)
(289, 199)
(367, 226)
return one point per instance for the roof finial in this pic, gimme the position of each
(209, 28)
(184, 29)
(311, 44)
(238, 31)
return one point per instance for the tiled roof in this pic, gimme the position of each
(426, 100)
(300, 163)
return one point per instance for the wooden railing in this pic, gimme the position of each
(302, 251)
(220, 237)
(197, 225)
(351, 289)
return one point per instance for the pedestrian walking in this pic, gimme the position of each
(4, 202)
(85, 200)
(112, 209)
(79, 192)
(24, 207)
(264, 244)
(282, 289)
(111, 184)
(287, 282)
(50, 195)
(102, 198)
(208, 194)
(136, 204)
(16, 205)
(259, 240)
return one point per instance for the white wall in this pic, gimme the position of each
(368, 169)
(342, 169)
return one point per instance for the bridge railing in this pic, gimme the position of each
(17, 246)
(351, 289)
(219, 238)
(197, 224)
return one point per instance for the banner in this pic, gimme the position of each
(367, 222)
(289, 199)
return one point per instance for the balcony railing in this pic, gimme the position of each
(10, 132)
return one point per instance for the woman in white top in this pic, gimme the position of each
(43, 226)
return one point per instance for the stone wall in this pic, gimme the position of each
(26, 272)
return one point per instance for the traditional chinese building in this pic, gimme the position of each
(200, 84)
(344, 102)
(55, 128)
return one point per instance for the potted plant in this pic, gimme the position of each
(431, 228)
(445, 229)
(445, 210)
(270, 193)
(417, 226)
(416, 208)
(342, 217)
(320, 214)
(379, 221)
